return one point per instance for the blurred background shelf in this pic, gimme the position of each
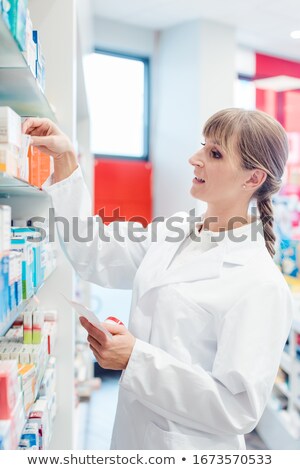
(282, 387)
(276, 429)
(286, 362)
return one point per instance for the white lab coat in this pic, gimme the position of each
(209, 334)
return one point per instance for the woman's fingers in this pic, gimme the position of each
(35, 124)
(39, 140)
(93, 331)
(40, 127)
(96, 354)
(93, 342)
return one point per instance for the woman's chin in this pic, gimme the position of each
(194, 191)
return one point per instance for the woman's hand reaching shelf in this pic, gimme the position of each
(51, 140)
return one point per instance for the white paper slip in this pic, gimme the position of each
(85, 312)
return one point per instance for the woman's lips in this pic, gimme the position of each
(198, 180)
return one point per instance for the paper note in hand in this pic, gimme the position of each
(83, 311)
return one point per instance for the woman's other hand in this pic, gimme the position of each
(111, 353)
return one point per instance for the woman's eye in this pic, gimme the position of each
(216, 154)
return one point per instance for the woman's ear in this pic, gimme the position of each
(257, 178)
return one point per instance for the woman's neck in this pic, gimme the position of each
(217, 222)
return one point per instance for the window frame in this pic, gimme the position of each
(146, 62)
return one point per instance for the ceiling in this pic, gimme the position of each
(263, 25)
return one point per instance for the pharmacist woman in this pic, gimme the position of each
(210, 309)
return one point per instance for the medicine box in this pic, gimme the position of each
(39, 166)
(17, 20)
(9, 159)
(4, 289)
(9, 388)
(39, 414)
(21, 245)
(5, 221)
(33, 236)
(10, 127)
(30, 46)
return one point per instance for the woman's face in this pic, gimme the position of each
(222, 174)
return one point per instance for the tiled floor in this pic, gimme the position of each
(101, 415)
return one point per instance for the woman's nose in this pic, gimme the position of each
(196, 161)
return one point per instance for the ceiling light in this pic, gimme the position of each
(295, 34)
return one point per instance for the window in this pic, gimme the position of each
(244, 93)
(118, 95)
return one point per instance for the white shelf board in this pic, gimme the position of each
(20, 91)
(12, 186)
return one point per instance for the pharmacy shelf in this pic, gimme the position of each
(21, 307)
(276, 430)
(280, 429)
(12, 186)
(19, 89)
(13, 316)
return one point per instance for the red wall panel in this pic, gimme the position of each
(266, 101)
(123, 187)
(284, 106)
(268, 66)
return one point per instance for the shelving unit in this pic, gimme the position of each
(280, 429)
(57, 25)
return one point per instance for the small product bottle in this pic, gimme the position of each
(113, 321)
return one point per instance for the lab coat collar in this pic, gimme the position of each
(235, 247)
(243, 242)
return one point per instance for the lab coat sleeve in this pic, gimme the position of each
(105, 255)
(231, 398)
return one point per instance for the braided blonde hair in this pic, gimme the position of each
(261, 142)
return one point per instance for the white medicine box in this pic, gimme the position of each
(10, 127)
